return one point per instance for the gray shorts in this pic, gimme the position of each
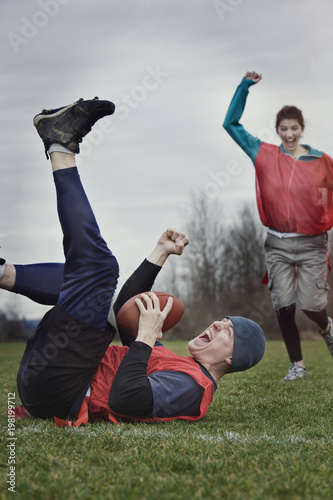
(309, 284)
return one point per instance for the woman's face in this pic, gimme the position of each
(290, 132)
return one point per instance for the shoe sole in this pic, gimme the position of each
(293, 379)
(38, 118)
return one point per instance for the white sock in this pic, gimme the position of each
(58, 147)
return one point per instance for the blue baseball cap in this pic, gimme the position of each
(249, 344)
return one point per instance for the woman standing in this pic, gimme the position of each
(294, 189)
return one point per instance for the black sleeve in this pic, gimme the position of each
(131, 393)
(141, 281)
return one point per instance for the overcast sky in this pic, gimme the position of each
(171, 67)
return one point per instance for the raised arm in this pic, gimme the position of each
(171, 242)
(246, 141)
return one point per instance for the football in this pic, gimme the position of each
(129, 314)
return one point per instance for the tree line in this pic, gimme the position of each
(15, 329)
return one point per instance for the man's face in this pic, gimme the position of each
(215, 344)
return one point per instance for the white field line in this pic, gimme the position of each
(153, 432)
(228, 437)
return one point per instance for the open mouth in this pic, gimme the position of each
(206, 336)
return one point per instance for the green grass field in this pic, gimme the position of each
(261, 439)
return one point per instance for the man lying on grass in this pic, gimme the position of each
(68, 368)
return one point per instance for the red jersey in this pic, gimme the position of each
(294, 196)
(161, 359)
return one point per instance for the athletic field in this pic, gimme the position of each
(261, 439)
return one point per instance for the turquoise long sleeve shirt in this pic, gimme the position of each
(244, 139)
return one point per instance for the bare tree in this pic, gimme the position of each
(221, 272)
(244, 261)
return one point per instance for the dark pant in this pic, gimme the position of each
(290, 332)
(60, 359)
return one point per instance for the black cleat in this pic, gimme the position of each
(69, 124)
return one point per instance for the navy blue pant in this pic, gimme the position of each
(57, 366)
(91, 271)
